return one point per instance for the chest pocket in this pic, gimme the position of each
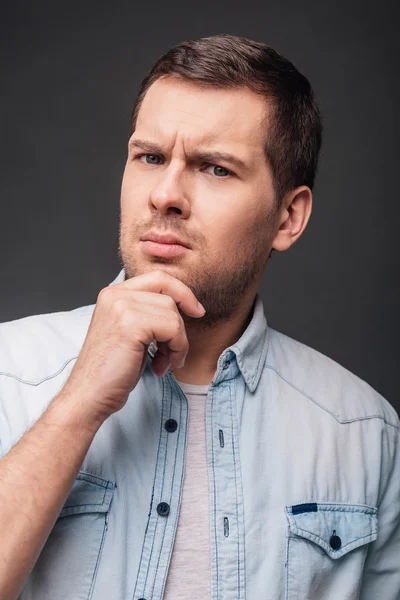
(326, 549)
(68, 563)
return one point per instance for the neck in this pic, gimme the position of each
(207, 345)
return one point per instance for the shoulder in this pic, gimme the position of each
(35, 347)
(37, 354)
(325, 382)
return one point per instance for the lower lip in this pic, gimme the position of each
(164, 250)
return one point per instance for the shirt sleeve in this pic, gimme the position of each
(2, 431)
(381, 576)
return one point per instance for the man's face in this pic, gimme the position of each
(225, 211)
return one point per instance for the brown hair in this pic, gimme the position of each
(227, 61)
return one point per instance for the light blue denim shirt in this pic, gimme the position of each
(303, 465)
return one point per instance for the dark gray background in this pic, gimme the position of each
(70, 75)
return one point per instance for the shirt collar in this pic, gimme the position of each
(119, 278)
(249, 352)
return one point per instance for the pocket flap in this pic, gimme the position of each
(88, 494)
(336, 528)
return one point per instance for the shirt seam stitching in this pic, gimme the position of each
(181, 482)
(231, 400)
(391, 469)
(396, 426)
(34, 383)
(150, 515)
(170, 497)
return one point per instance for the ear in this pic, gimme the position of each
(293, 217)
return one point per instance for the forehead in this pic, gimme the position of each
(173, 107)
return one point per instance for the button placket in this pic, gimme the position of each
(226, 499)
(162, 519)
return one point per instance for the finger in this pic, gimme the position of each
(169, 332)
(162, 359)
(163, 283)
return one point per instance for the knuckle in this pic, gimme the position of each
(119, 307)
(161, 274)
(178, 324)
(127, 320)
(170, 302)
(104, 293)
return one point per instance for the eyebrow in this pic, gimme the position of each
(200, 155)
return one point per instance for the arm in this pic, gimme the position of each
(36, 476)
(381, 577)
(39, 471)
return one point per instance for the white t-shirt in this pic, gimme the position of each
(189, 575)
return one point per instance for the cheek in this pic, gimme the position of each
(132, 192)
(125, 186)
(227, 231)
(243, 234)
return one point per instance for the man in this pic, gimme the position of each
(156, 448)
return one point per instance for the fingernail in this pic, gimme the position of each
(182, 363)
(201, 307)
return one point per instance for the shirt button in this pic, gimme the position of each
(163, 509)
(171, 425)
(226, 364)
(335, 542)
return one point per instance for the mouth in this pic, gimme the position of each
(162, 249)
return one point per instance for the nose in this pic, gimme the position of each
(168, 195)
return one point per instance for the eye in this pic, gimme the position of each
(218, 173)
(151, 159)
(151, 156)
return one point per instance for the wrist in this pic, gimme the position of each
(70, 410)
